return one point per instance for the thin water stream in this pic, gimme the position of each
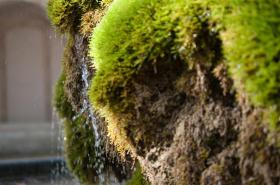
(100, 159)
(105, 177)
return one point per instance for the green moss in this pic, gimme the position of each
(68, 56)
(106, 2)
(90, 20)
(66, 14)
(60, 101)
(73, 83)
(253, 50)
(137, 178)
(250, 31)
(79, 149)
(135, 33)
(251, 38)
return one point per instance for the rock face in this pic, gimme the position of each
(163, 88)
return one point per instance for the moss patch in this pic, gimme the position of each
(80, 151)
(60, 100)
(136, 34)
(66, 14)
(163, 85)
(90, 20)
(251, 43)
(250, 34)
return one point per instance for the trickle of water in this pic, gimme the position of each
(105, 178)
(100, 159)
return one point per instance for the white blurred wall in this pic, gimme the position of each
(41, 3)
(30, 54)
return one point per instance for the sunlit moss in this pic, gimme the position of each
(116, 131)
(127, 37)
(90, 20)
(106, 2)
(134, 33)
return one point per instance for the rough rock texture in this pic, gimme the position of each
(198, 134)
(259, 150)
(186, 130)
(76, 52)
(89, 154)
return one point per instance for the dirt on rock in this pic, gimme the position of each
(190, 129)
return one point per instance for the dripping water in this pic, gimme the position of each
(107, 178)
(99, 158)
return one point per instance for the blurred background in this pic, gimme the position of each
(30, 54)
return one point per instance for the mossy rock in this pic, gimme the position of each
(66, 14)
(137, 37)
(135, 34)
(60, 100)
(79, 138)
(90, 20)
(71, 64)
(252, 47)
(80, 150)
(251, 36)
